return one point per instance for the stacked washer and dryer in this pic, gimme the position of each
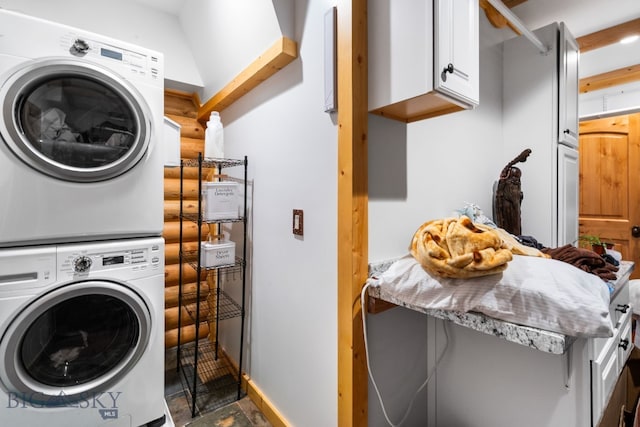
(81, 217)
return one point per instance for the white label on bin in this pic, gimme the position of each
(220, 201)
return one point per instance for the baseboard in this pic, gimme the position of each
(257, 396)
(264, 405)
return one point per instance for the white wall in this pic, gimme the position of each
(612, 100)
(417, 172)
(292, 152)
(583, 17)
(124, 20)
(227, 36)
(622, 99)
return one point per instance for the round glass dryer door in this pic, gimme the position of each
(74, 341)
(74, 120)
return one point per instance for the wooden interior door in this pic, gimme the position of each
(610, 182)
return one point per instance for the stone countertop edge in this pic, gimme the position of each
(539, 339)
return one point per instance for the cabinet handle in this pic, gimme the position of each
(622, 308)
(567, 131)
(624, 344)
(448, 69)
(635, 231)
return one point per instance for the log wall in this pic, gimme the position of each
(182, 108)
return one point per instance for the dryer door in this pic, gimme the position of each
(74, 342)
(73, 120)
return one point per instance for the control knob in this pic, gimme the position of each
(82, 264)
(79, 47)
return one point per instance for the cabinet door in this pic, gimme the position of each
(568, 177)
(456, 56)
(569, 56)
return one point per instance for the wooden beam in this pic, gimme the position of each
(512, 3)
(495, 18)
(608, 35)
(375, 305)
(352, 210)
(611, 78)
(281, 53)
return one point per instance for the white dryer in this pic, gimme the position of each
(82, 335)
(80, 135)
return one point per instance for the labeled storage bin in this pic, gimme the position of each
(220, 200)
(217, 252)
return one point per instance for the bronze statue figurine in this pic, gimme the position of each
(508, 196)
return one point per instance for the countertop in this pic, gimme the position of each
(539, 339)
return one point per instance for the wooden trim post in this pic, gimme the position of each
(352, 209)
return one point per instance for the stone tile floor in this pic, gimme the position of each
(242, 413)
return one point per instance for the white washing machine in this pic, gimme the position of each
(80, 135)
(82, 335)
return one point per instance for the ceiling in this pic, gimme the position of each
(170, 6)
(581, 16)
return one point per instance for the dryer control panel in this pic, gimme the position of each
(129, 62)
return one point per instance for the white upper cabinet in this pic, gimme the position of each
(411, 44)
(456, 49)
(568, 86)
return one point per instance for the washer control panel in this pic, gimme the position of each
(108, 258)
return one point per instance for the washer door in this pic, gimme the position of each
(74, 341)
(73, 120)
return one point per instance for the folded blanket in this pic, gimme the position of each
(584, 259)
(455, 247)
(460, 248)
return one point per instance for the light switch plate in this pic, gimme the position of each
(298, 222)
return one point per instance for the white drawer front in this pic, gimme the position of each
(604, 374)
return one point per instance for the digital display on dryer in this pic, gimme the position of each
(113, 260)
(111, 54)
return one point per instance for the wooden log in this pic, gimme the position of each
(172, 251)
(190, 127)
(180, 104)
(191, 147)
(172, 209)
(171, 232)
(172, 274)
(187, 334)
(171, 318)
(188, 313)
(172, 189)
(189, 291)
(189, 172)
